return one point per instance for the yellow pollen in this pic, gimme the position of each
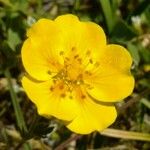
(63, 95)
(69, 74)
(78, 82)
(63, 76)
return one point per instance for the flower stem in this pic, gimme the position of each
(76, 5)
(126, 134)
(18, 113)
(73, 137)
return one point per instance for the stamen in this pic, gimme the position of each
(49, 72)
(79, 60)
(67, 59)
(76, 56)
(88, 73)
(51, 88)
(63, 95)
(65, 74)
(78, 82)
(91, 61)
(80, 76)
(83, 96)
(61, 87)
(73, 48)
(61, 53)
(88, 52)
(54, 81)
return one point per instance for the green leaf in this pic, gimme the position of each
(145, 82)
(133, 49)
(141, 8)
(122, 32)
(108, 14)
(6, 2)
(145, 102)
(13, 39)
(145, 53)
(7, 56)
(115, 5)
(22, 6)
(147, 14)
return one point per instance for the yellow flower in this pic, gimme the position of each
(73, 74)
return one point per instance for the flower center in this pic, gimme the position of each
(63, 76)
(72, 72)
(77, 67)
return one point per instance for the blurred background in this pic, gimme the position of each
(126, 22)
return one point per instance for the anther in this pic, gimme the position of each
(79, 60)
(88, 53)
(80, 76)
(88, 73)
(61, 53)
(83, 96)
(73, 48)
(61, 87)
(63, 95)
(54, 81)
(76, 56)
(51, 88)
(49, 72)
(67, 59)
(91, 61)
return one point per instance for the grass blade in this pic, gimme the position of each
(108, 14)
(126, 134)
(18, 113)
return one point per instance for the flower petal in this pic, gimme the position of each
(93, 39)
(40, 52)
(67, 20)
(85, 38)
(48, 99)
(50, 44)
(81, 111)
(41, 28)
(34, 62)
(92, 116)
(111, 81)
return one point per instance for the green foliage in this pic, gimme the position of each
(134, 53)
(126, 22)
